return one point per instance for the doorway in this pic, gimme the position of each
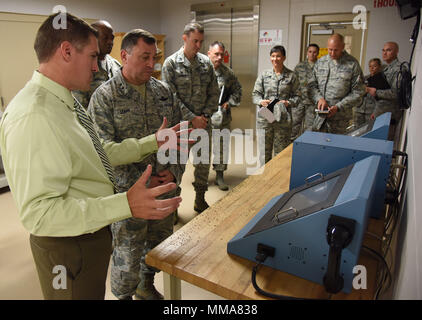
(235, 23)
(318, 28)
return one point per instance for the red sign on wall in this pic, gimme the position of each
(384, 3)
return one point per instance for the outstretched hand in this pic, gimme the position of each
(174, 137)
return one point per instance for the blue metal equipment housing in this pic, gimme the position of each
(316, 153)
(295, 223)
(376, 129)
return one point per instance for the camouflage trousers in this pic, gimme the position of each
(132, 239)
(298, 114)
(360, 118)
(277, 135)
(385, 106)
(302, 119)
(337, 126)
(309, 117)
(220, 150)
(201, 170)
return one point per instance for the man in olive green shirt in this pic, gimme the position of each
(64, 195)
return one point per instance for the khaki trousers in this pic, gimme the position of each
(73, 268)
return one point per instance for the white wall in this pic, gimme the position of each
(384, 24)
(169, 17)
(123, 15)
(174, 16)
(274, 14)
(409, 266)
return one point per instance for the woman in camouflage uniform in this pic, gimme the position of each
(276, 83)
(363, 113)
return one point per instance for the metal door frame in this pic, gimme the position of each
(333, 24)
(335, 18)
(223, 5)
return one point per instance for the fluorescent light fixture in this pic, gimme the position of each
(330, 31)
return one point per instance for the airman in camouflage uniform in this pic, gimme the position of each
(387, 100)
(107, 65)
(336, 85)
(304, 113)
(191, 78)
(227, 79)
(283, 84)
(132, 105)
(363, 113)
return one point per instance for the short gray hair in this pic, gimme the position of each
(218, 43)
(191, 27)
(131, 38)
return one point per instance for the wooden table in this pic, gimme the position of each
(197, 253)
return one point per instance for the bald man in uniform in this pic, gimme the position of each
(336, 85)
(107, 65)
(387, 100)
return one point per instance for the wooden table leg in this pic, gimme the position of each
(172, 287)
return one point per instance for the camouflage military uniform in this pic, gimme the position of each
(363, 113)
(120, 111)
(305, 111)
(387, 100)
(269, 86)
(340, 83)
(227, 78)
(107, 69)
(196, 93)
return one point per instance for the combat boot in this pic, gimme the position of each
(200, 203)
(219, 181)
(146, 289)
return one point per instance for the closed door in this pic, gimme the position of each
(235, 23)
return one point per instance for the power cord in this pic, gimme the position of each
(385, 274)
(394, 200)
(263, 252)
(261, 257)
(404, 77)
(404, 86)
